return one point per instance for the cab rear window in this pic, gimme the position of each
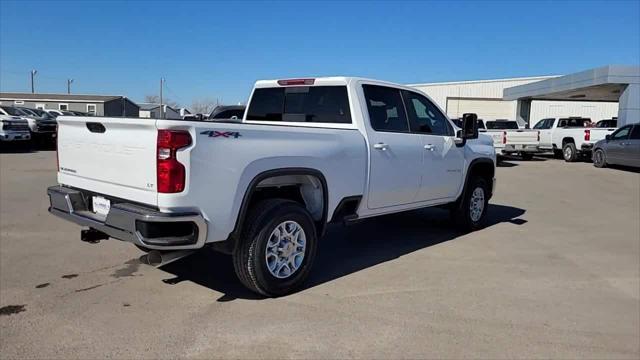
(310, 104)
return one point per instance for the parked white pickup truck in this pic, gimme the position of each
(509, 139)
(307, 152)
(570, 137)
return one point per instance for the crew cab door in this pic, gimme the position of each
(442, 161)
(395, 154)
(544, 126)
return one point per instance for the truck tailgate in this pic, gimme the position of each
(522, 137)
(111, 156)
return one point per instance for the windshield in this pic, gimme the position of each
(502, 125)
(13, 111)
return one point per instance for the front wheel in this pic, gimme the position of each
(569, 152)
(277, 248)
(471, 212)
(599, 159)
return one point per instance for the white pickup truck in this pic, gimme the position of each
(569, 137)
(509, 139)
(307, 152)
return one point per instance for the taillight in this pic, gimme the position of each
(290, 82)
(171, 174)
(504, 137)
(587, 135)
(538, 136)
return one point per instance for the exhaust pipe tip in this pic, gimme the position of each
(158, 258)
(153, 258)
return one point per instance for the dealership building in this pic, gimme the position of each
(485, 98)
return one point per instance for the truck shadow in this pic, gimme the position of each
(344, 249)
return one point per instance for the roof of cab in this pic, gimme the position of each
(326, 80)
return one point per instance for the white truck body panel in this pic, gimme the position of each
(514, 140)
(416, 170)
(119, 162)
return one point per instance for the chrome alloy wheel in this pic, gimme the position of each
(476, 205)
(568, 153)
(285, 249)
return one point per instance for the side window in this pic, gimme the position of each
(635, 133)
(386, 111)
(622, 133)
(424, 116)
(543, 124)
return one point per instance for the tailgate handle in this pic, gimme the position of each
(96, 127)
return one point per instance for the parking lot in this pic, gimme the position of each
(555, 274)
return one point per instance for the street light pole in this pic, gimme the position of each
(161, 107)
(69, 81)
(33, 74)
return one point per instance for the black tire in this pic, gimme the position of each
(249, 259)
(461, 211)
(599, 159)
(526, 156)
(569, 152)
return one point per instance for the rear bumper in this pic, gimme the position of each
(512, 149)
(130, 222)
(586, 147)
(15, 136)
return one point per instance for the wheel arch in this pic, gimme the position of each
(484, 167)
(229, 245)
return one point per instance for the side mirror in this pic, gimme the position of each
(608, 137)
(469, 126)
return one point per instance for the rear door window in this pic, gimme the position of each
(386, 110)
(635, 133)
(310, 104)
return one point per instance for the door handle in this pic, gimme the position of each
(380, 146)
(429, 147)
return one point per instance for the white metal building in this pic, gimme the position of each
(484, 97)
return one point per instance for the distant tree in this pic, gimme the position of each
(204, 106)
(155, 99)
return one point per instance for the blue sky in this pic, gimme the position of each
(218, 49)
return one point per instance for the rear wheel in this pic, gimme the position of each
(277, 248)
(569, 152)
(471, 212)
(599, 159)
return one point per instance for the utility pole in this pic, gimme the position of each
(69, 81)
(161, 107)
(33, 74)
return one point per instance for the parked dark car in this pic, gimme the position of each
(227, 112)
(620, 148)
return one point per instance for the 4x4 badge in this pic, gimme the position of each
(225, 134)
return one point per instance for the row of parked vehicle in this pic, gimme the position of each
(571, 138)
(22, 124)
